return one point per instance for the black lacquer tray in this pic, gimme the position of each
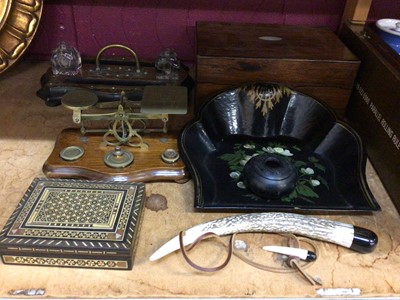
(327, 155)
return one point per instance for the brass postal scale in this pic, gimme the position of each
(123, 140)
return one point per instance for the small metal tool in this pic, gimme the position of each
(303, 254)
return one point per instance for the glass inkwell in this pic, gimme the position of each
(66, 60)
(167, 65)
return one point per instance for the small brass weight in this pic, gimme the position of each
(122, 129)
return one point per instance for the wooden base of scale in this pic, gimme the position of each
(147, 163)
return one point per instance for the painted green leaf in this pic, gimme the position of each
(290, 197)
(299, 164)
(234, 161)
(320, 167)
(306, 191)
(293, 195)
(296, 148)
(233, 158)
(286, 199)
(228, 156)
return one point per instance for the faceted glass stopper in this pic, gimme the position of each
(66, 60)
(167, 65)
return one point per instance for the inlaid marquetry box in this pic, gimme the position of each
(74, 223)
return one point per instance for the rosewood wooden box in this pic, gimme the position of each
(374, 106)
(309, 60)
(74, 223)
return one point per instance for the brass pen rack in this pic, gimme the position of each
(109, 76)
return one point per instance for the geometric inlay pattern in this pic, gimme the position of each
(66, 262)
(76, 208)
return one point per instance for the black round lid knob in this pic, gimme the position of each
(270, 176)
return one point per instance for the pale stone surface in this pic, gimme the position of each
(27, 135)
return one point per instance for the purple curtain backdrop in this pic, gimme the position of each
(147, 26)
